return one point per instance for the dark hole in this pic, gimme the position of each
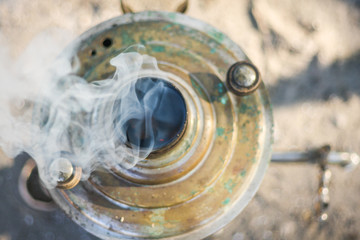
(93, 52)
(35, 189)
(107, 42)
(168, 116)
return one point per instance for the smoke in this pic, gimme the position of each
(52, 114)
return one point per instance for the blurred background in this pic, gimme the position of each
(308, 53)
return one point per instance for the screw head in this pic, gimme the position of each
(61, 169)
(243, 78)
(66, 175)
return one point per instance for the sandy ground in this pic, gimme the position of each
(309, 56)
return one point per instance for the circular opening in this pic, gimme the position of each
(35, 189)
(160, 116)
(107, 42)
(31, 189)
(93, 52)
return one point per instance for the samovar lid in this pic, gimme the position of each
(202, 182)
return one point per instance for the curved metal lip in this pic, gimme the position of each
(24, 192)
(254, 182)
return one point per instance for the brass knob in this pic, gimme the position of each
(67, 175)
(243, 78)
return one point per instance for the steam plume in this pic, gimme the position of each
(50, 113)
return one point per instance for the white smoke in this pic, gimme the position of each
(50, 113)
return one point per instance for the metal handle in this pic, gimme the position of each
(323, 157)
(348, 160)
(126, 8)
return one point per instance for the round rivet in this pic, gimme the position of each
(61, 169)
(243, 78)
(66, 175)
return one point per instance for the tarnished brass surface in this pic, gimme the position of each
(208, 177)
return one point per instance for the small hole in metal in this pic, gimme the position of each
(107, 42)
(93, 52)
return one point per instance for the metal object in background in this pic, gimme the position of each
(203, 181)
(323, 157)
(344, 159)
(131, 6)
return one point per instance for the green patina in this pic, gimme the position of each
(187, 145)
(218, 36)
(159, 223)
(229, 185)
(226, 201)
(172, 16)
(183, 197)
(158, 48)
(134, 209)
(185, 54)
(213, 50)
(220, 131)
(143, 41)
(158, 220)
(222, 159)
(127, 40)
(220, 96)
(244, 133)
(167, 26)
(197, 88)
(155, 230)
(220, 88)
(224, 99)
(230, 131)
(245, 123)
(158, 217)
(250, 110)
(242, 173)
(194, 192)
